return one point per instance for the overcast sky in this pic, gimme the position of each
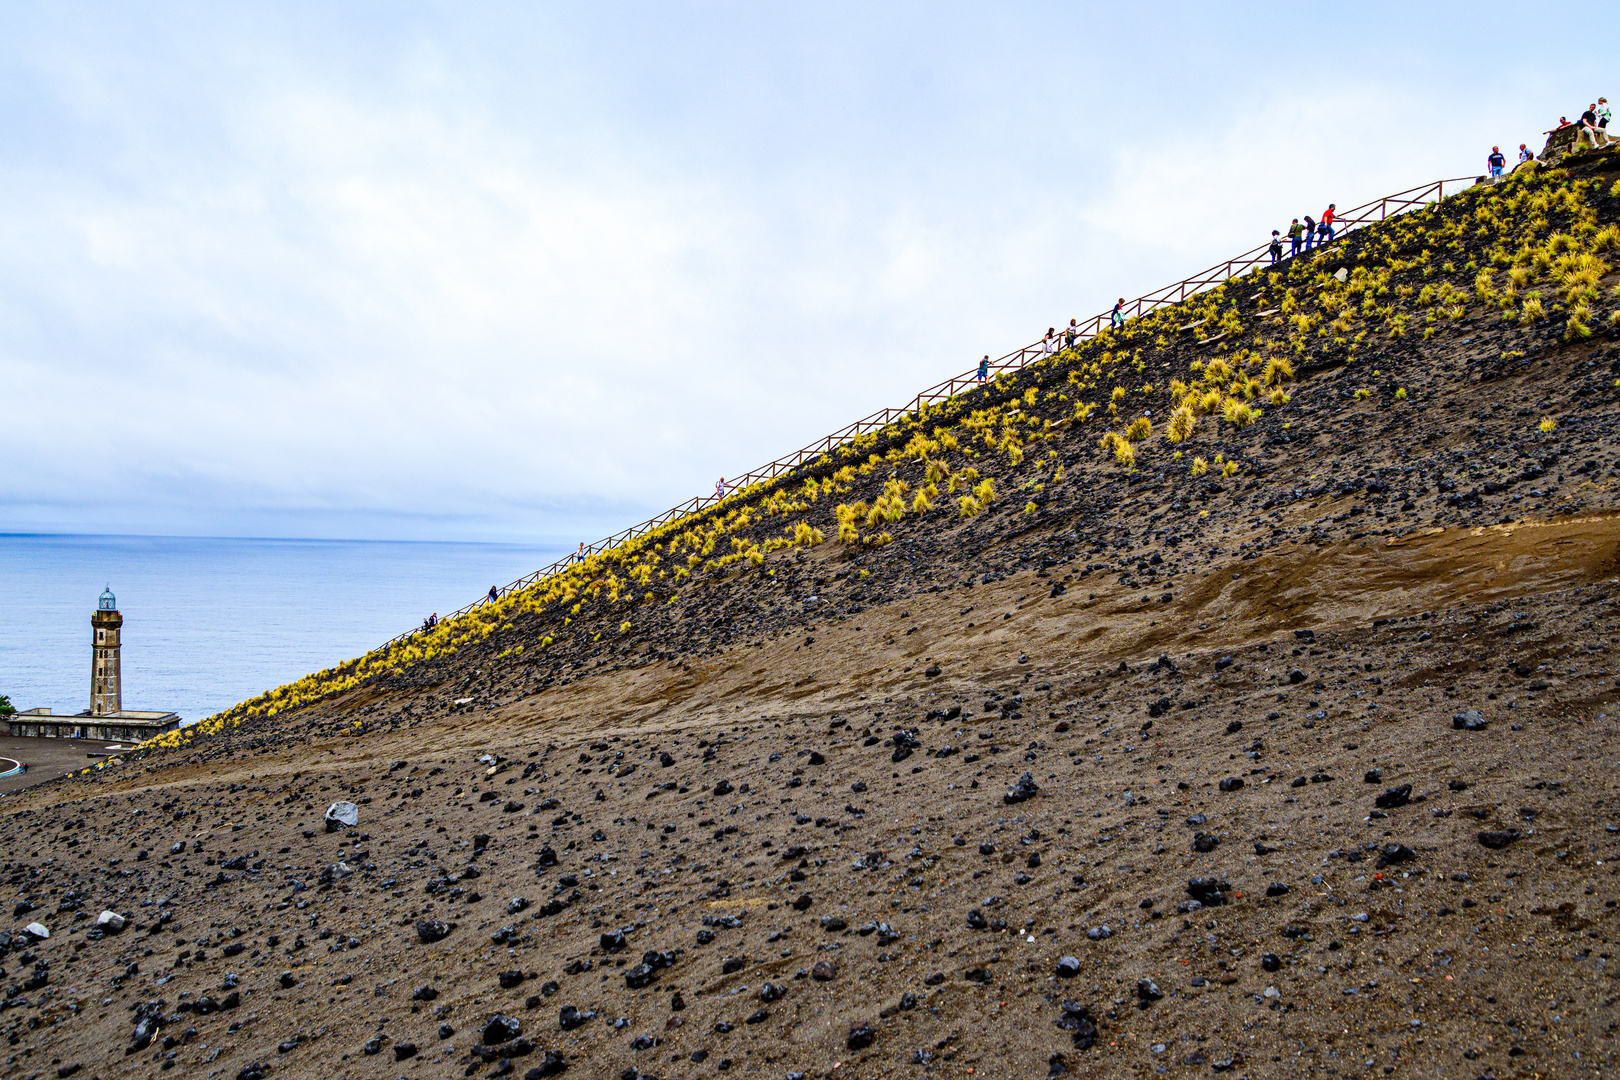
(532, 272)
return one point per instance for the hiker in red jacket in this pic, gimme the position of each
(1327, 222)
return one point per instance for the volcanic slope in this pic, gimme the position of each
(1290, 754)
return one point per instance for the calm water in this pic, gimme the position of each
(208, 622)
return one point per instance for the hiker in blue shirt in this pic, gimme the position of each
(1496, 161)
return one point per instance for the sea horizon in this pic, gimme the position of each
(211, 621)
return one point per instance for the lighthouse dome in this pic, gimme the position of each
(108, 602)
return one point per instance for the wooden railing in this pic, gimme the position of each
(1222, 272)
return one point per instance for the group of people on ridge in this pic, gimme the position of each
(1497, 161)
(1304, 237)
(1592, 127)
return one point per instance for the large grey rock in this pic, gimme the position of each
(342, 815)
(37, 930)
(110, 921)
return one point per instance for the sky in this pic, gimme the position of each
(533, 272)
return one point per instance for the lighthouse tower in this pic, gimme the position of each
(106, 684)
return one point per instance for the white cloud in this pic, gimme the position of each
(437, 282)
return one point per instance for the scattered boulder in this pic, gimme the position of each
(342, 815)
(1068, 967)
(1497, 839)
(1024, 789)
(1395, 796)
(499, 1029)
(110, 922)
(1077, 1020)
(430, 930)
(1470, 720)
(1394, 854)
(569, 1017)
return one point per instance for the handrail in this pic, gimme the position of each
(1365, 214)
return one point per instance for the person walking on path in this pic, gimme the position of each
(984, 368)
(720, 488)
(1327, 221)
(1526, 154)
(1048, 341)
(1293, 237)
(1496, 162)
(1310, 232)
(433, 620)
(1116, 318)
(494, 594)
(1276, 247)
(1069, 334)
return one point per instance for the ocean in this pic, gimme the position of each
(210, 622)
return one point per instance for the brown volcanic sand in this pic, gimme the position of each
(1501, 957)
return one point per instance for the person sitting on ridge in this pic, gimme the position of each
(1496, 162)
(1588, 129)
(1526, 154)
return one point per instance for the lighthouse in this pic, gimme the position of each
(106, 685)
(106, 718)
